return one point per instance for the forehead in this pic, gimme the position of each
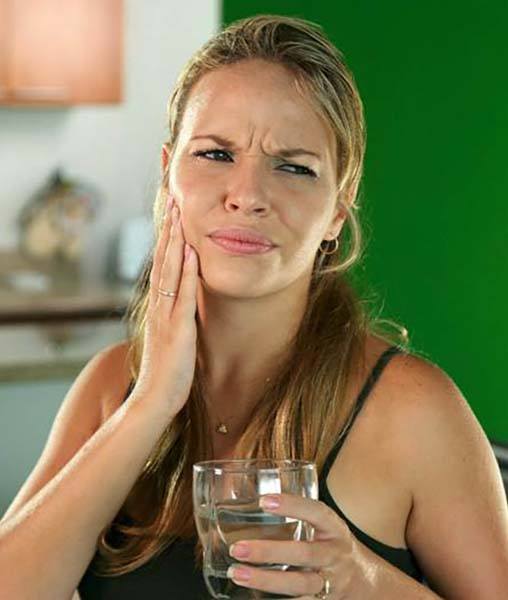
(257, 96)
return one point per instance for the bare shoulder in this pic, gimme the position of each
(105, 377)
(422, 399)
(459, 514)
(92, 397)
(115, 374)
(427, 414)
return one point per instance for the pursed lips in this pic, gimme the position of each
(249, 237)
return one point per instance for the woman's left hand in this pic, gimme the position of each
(334, 551)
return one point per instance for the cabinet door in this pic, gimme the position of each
(96, 70)
(39, 42)
(61, 51)
(4, 20)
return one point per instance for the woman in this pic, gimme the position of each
(243, 349)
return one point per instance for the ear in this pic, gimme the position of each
(340, 214)
(336, 223)
(164, 158)
(165, 162)
(353, 191)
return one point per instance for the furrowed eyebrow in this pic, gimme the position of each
(286, 153)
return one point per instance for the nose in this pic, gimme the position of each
(247, 189)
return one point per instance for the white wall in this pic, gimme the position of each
(115, 147)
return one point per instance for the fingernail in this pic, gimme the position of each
(269, 502)
(187, 251)
(239, 550)
(169, 204)
(175, 214)
(239, 573)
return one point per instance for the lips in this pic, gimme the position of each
(237, 247)
(237, 234)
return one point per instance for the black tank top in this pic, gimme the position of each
(173, 574)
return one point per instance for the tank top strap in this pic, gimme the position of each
(369, 384)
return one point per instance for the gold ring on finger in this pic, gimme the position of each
(166, 292)
(327, 587)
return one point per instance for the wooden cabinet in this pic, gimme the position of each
(3, 50)
(60, 52)
(37, 46)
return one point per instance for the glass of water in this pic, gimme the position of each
(226, 497)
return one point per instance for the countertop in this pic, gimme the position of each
(56, 293)
(53, 319)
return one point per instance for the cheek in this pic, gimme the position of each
(195, 199)
(194, 195)
(304, 217)
(181, 179)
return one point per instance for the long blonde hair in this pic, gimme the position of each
(302, 411)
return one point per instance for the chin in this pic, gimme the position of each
(232, 285)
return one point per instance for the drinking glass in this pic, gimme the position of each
(226, 497)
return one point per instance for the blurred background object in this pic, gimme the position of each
(54, 221)
(134, 241)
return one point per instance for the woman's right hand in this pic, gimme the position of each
(169, 350)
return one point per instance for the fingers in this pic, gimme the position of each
(158, 257)
(326, 523)
(171, 268)
(186, 301)
(293, 583)
(170, 272)
(298, 554)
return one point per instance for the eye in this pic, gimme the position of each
(215, 151)
(306, 170)
(211, 151)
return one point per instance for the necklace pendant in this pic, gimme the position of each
(221, 428)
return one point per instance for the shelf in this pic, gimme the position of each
(60, 293)
(52, 327)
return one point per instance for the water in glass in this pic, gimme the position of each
(226, 497)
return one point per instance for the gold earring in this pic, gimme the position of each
(336, 240)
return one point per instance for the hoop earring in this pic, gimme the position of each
(336, 240)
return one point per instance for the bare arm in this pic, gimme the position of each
(79, 488)
(93, 397)
(458, 526)
(61, 523)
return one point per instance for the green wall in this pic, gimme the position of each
(434, 82)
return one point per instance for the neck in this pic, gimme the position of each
(243, 340)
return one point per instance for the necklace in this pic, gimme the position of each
(222, 427)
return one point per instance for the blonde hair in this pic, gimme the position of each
(303, 409)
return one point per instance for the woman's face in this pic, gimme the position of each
(247, 183)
